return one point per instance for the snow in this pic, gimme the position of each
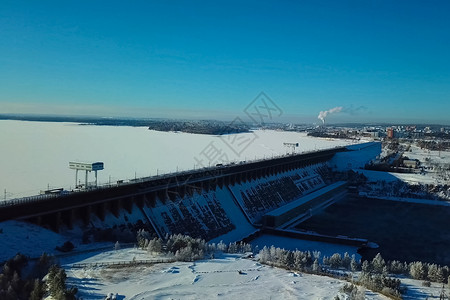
(32, 240)
(415, 290)
(35, 155)
(206, 279)
(358, 156)
(26, 238)
(243, 227)
(390, 176)
(434, 157)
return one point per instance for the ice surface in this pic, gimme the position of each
(35, 155)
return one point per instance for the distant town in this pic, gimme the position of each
(344, 130)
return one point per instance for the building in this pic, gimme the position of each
(390, 132)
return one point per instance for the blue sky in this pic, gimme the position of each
(382, 61)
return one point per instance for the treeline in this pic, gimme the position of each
(338, 134)
(374, 275)
(21, 279)
(434, 145)
(185, 248)
(309, 262)
(198, 127)
(398, 188)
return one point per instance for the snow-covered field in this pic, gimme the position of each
(218, 278)
(35, 155)
(436, 166)
(433, 157)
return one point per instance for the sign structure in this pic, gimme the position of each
(88, 167)
(97, 166)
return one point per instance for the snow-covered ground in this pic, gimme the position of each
(218, 278)
(32, 240)
(35, 155)
(433, 157)
(26, 238)
(206, 279)
(389, 176)
(436, 164)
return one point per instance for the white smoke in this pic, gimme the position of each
(325, 113)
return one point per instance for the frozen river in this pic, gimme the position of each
(35, 155)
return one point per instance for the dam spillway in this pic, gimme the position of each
(227, 200)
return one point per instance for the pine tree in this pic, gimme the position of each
(326, 260)
(315, 266)
(346, 261)
(366, 267)
(232, 248)
(354, 266)
(155, 246)
(289, 259)
(336, 260)
(298, 260)
(38, 290)
(378, 264)
(435, 273)
(317, 254)
(57, 282)
(264, 255)
(417, 270)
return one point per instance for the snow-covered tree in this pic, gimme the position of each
(378, 264)
(221, 246)
(346, 260)
(417, 270)
(326, 260)
(117, 246)
(336, 260)
(154, 246)
(316, 254)
(232, 248)
(366, 267)
(315, 266)
(354, 265)
(264, 255)
(435, 273)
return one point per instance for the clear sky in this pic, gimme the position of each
(379, 60)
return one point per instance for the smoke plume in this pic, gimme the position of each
(325, 113)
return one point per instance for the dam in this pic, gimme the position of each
(225, 202)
